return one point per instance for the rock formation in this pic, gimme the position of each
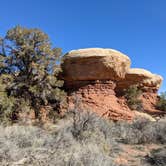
(95, 64)
(141, 77)
(98, 77)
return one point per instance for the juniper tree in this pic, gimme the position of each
(28, 57)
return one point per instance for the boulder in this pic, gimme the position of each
(95, 64)
(141, 77)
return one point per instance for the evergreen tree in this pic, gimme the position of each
(27, 56)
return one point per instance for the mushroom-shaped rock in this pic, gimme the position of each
(95, 64)
(138, 74)
(142, 78)
(154, 81)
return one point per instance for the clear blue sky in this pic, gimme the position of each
(134, 27)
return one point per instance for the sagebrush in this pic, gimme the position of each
(82, 139)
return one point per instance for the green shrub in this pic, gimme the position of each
(161, 104)
(132, 95)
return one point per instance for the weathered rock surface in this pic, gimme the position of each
(141, 77)
(100, 97)
(149, 100)
(97, 75)
(95, 64)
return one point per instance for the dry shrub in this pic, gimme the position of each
(141, 131)
(82, 138)
(30, 145)
(157, 157)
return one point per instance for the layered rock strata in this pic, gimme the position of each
(100, 97)
(97, 76)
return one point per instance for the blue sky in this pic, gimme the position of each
(134, 27)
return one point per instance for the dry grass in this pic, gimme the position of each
(81, 139)
(30, 145)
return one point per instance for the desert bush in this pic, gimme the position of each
(141, 131)
(132, 95)
(82, 121)
(30, 145)
(82, 138)
(161, 104)
(157, 157)
(86, 122)
(97, 143)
